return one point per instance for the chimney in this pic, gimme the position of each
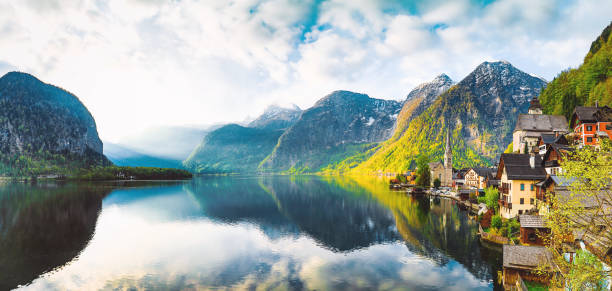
(532, 159)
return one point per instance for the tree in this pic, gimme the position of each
(589, 171)
(437, 183)
(423, 174)
(496, 221)
(491, 198)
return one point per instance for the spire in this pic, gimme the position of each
(448, 154)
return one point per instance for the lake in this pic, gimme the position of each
(279, 232)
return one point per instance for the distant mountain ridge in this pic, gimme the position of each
(336, 122)
(124, 156)
(232, 148)
(480, 111)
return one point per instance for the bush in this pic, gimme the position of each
(513, 227)
(482, 200)
(496, 222)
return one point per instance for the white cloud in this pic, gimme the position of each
(141, 63)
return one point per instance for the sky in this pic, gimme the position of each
(138, 64)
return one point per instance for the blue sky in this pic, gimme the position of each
(138, 64)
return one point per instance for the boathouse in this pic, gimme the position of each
(524, 262)
(533, 229)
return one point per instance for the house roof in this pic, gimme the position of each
(532, 221)
(518, 167)
(541, 122)
(591, 114)
(526, 257)
(483, 172)
(548, 138)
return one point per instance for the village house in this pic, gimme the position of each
(590, 124)
(533, 229)
(443, 171)
(476, 177)
(554, 156)
(547, 187)
(491, 180)
(521, 262)
(529, 127)
(518, 174)
(459, 178)
(547, 139)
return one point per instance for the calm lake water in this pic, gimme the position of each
(237, 233)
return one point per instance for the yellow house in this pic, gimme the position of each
(518, 175)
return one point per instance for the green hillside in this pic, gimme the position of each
(590, 82)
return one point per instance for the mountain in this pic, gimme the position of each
(232, 149)
(589, 83)
(167, 142)
(480, 111)
(336, 126)
(45, 125)
(124, 156)
(235, 148)
(419, 99)
(276, 117)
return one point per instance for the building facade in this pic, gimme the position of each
(518, 175)
(590, 124)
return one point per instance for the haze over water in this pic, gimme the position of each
(280, 232)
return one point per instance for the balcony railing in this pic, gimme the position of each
(504, 202)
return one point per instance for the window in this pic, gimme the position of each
(522, 201)
(520, 212)
(589, 139)
(589, 127)
(522, 188)
(531, 201)
(608, 126)
(531, 187)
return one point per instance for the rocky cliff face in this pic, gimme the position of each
(480, 111)
(37, 117)
(338, 120)
(419, 99)
(276, 117)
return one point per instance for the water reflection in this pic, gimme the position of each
(43, 226)
(266, 232)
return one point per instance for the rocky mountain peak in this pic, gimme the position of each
(276, 117)
(431, 89)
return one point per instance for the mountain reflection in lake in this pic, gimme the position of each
(237, 232)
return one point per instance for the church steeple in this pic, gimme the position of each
(448, 154)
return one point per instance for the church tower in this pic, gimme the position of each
(447, 177)
(448, 154)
